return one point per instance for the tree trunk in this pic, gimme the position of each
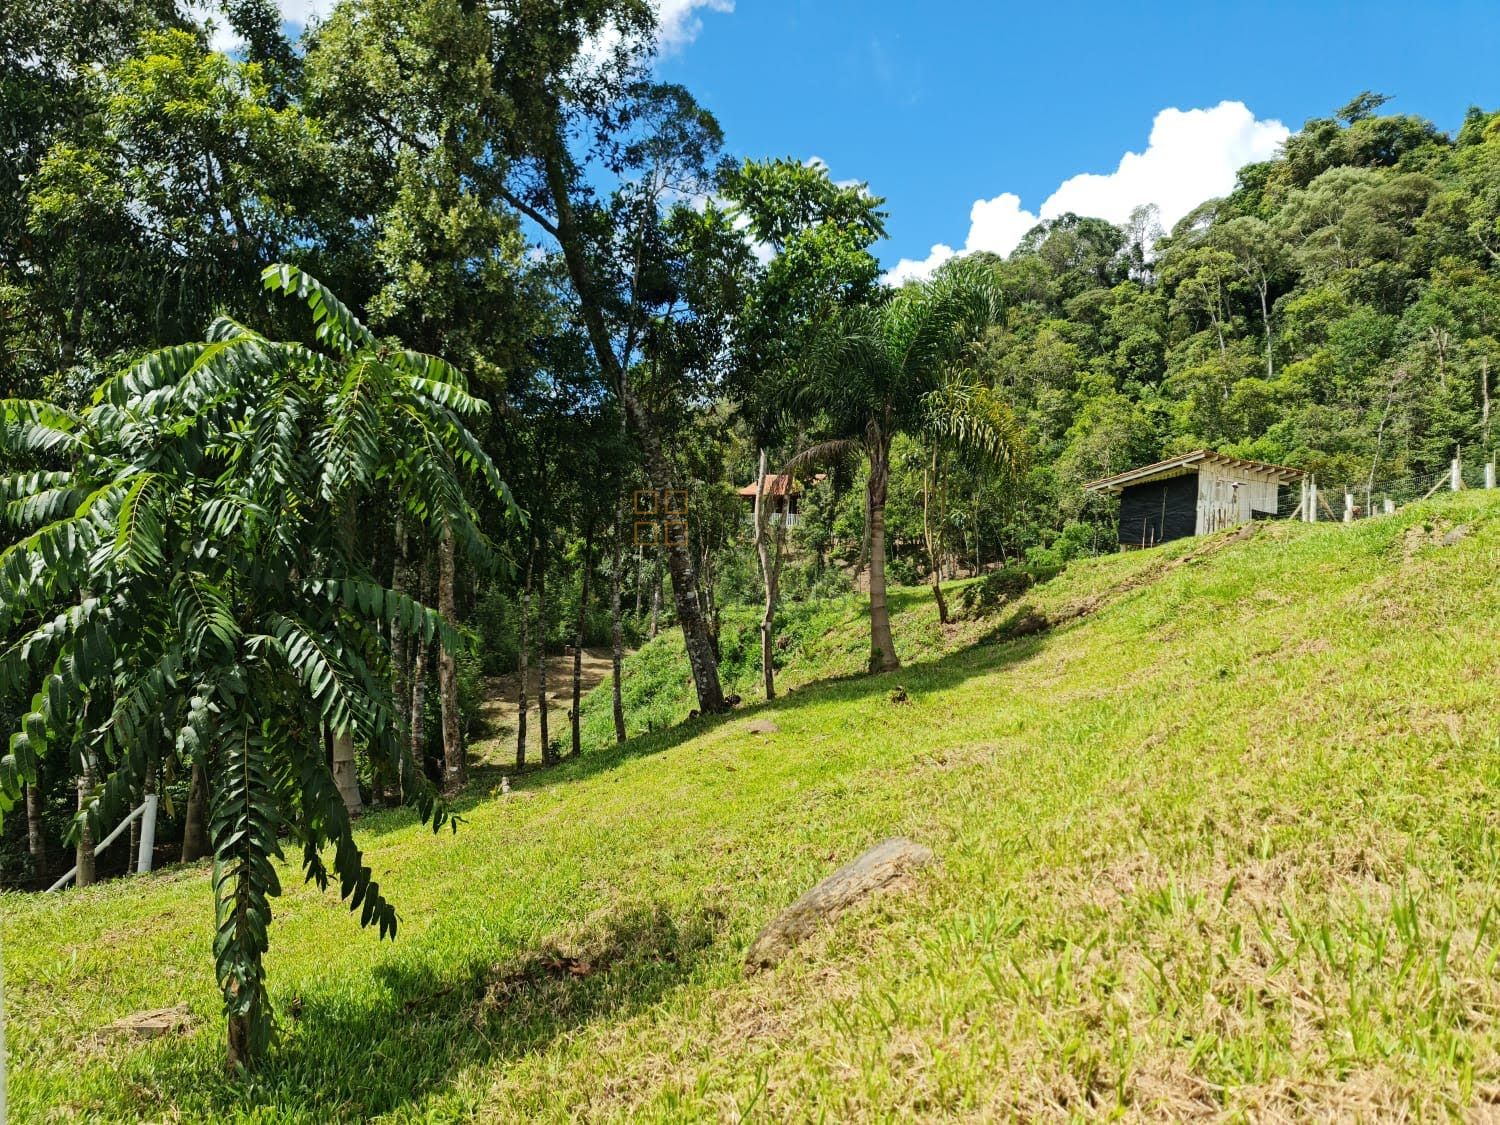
(524, 662)
(1265, 317)
(617, 638)
(239, 1056)
(195, 819)
(640, 580)
(401, 652)
(656, 595)
(978, 563)
(583, 609)
(36, 837)
(570, 237)
(882, 648)
(929, 498)
(455, 771)
(1484, 408)
(541, 654)
(418, 732)
(707, 602)
(769, 577)
(345, 772)
(864, 542)
(83, 851)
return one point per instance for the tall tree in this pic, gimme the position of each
(884, 369)
(575, 75)
(181, 570)
(818, 235)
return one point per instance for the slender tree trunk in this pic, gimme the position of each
(455, 770)
(241, 1046)
(541, 655)
(640, 581)
(345, 770)
(1484, 396)
(769, 581)
(524, 661)
(570, 237)
(36, 836)
(195, 819)
(422, 573)
(583, 609)
(656, 595)
(1265, 317)
(929, 499)
(708, 604)
(617, 637)
(401, 653)
(864, 542)
(978, 564)
(83, 852)
(882, 647)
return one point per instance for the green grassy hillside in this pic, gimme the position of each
(1224, 838)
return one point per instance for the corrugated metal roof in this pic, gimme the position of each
(1175, 466)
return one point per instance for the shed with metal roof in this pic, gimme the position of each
(1193, 494)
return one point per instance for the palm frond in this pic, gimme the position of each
(823, 453)
(335, 323)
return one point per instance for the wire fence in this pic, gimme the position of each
(1313, 502)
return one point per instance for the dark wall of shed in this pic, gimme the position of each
(1159, 510)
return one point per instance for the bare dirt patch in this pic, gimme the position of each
(500, 711)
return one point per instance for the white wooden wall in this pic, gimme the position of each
(1227, 495)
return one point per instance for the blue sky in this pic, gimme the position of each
(970, 116)
(940, 105)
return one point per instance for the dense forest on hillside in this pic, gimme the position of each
(558, 287)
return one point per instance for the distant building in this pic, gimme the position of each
(782, 493)
(1193, 494)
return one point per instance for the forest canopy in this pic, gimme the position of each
(570, 290)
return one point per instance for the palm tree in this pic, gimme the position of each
(188, 587)
(962, 414)
(902, 366)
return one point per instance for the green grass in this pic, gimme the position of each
(1228, 843)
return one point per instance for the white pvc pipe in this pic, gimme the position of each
(67, 876)
(1489, 475)
(148, 837)
(1456, 481)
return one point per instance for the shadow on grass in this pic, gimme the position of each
(391, 1048)
(995, 652)
(355, 1057)
(1018, 634)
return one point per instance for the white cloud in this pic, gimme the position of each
(679, 22)
(1192, 156)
